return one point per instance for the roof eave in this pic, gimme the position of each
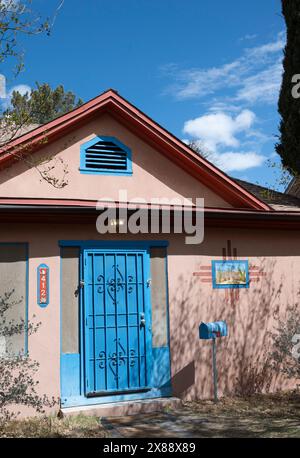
(146, 128)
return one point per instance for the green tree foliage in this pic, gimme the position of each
(43, 104)
(288, 146)
(17, 18)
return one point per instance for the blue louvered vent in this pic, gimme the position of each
(107, 155)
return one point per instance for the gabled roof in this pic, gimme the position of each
(144, 127)
(277, 200)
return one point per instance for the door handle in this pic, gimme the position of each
(142, 320)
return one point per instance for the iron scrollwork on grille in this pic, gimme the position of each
(115, 283)
(116, 359)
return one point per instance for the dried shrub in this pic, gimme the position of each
(285, 356)
(18, 384)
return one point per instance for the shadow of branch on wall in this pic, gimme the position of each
(243, 358)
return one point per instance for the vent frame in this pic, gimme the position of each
(123, 152)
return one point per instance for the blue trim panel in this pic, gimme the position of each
(89, 171)
(70, 376)
(168, 316)
(62, 379)
(161, 371)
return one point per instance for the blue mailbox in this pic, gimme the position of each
(213, 330)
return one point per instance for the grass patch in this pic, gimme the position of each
(50, 426)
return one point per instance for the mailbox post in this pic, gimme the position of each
(215, 371)
(212, 331)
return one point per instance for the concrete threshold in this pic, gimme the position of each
(120, 409)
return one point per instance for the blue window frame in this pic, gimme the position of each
(105, 156)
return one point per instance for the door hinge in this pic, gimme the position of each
(149, 282)
(81, 283)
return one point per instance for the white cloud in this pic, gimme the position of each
(249, 36)
(21, 88)
(217, 106)
(9, 2)
(10, 5)
(214, 132)
(227, 129)
(263, 86)
(199, 83)
(2, 86)
(232, 161)
(219, 129)
(260, 65)
(263, 51)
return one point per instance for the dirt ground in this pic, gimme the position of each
(259, 416)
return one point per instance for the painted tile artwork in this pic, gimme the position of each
(230, 274)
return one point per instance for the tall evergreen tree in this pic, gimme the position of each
(288, 146)
(42, 105)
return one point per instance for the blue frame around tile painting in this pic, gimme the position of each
(230, 274)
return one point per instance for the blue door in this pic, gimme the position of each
(117, 322)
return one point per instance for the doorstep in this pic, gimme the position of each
(119, 409)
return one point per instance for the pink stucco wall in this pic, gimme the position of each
(153, 176)
(249, 318)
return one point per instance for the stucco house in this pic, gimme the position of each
(120, 311)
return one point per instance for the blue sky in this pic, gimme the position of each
(207, 71)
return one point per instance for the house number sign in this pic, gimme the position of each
(43, 285)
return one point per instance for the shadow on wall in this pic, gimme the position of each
(184, 379)
(243, 357)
